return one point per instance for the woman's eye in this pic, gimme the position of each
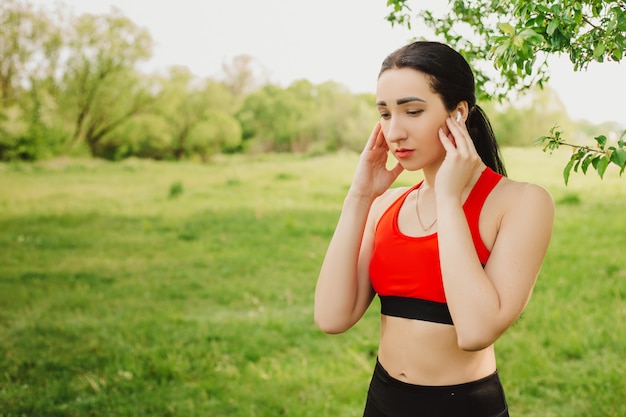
(414, 112)
(385, 116)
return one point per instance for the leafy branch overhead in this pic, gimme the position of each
(584, 157)
(517, 37)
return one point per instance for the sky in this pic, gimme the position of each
(320, 40)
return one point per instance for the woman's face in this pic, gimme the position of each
(410, 116)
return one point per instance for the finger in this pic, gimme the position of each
(380, 142)
(446, 141)
(471, 145)
(470, 141)
(449, 135)
(464, 142)
(371, 141)
(459, 136)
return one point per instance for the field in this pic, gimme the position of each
(146, 288)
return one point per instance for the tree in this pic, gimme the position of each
(216, 132)
(29, 43)
(306, 118)
(269, 118)
(187, 104)
(30, 48)
(145, 135)
(243, 75)
(336, 118)
(102, 88)
(518, 37)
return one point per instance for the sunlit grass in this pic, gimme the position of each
(179, 289)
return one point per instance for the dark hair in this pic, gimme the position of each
(453, 80)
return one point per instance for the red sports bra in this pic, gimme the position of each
(405, 270)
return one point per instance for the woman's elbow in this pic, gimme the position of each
(475, 341)
(473, 345)
(330, 328)
(330, 325)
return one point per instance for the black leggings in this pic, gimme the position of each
(389, 397)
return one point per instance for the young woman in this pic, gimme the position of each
(453, 259)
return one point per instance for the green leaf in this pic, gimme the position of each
(530, 35)
(568, 169)
(544, 9)
(618, 157)
(603, 162)
(528, 67)
(506, 28)
(585, 165)
(596, 8)
(601, 141)
(598, 51)
(577, 164)
(594, 161)
(552, 26)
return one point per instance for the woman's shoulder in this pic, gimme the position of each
(511, 186)
(523, 196)
(392, 194)
(385, 200)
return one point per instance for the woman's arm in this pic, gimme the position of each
(484, 302)
(343, 290)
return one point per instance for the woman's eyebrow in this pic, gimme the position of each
(408, 100)
(401, 101)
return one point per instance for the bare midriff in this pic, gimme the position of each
(426, 353)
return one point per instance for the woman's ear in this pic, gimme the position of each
(461, 112)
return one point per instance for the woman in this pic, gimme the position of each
(453, 259)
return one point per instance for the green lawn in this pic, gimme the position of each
(177, 289)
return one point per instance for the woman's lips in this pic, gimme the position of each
(404, 153)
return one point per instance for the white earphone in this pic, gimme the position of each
(458, 116)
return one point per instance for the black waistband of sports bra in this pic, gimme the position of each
(415, 308)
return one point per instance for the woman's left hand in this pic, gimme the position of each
(461, 159)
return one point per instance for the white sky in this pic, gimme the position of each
(320, 40)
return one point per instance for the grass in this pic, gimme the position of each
(178, 289)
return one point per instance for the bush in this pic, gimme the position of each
(21, 141)
(142, 136)
(218, 132)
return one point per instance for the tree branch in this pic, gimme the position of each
(589, 23)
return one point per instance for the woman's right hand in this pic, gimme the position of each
(372, 178)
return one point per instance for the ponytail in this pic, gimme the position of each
(484, 139)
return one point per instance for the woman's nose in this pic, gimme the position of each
(395, 131)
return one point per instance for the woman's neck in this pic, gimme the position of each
(430, 173)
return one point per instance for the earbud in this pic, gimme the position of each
(458, 116)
